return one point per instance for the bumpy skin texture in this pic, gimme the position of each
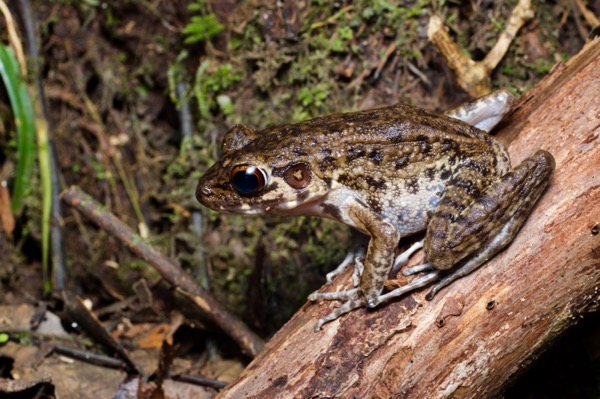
(388, 172)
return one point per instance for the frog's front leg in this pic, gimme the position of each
(378, 262)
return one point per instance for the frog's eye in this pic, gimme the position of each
(247, 179)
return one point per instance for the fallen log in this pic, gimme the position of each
(481, 331)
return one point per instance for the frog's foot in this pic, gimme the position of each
(353, 300)
(354, 255)
(403, 258)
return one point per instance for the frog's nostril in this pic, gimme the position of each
(202, 192)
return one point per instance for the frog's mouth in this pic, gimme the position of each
(295, 207)
(301, 205)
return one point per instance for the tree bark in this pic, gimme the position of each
(482, 330)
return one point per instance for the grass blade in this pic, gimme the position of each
(24, 122)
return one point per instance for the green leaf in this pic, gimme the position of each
(202, 27)
(25, 124)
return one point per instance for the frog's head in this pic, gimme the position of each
(258, 174)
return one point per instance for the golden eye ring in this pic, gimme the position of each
(247, 179)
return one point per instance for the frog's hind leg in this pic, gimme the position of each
(488, 223)
(485, 112)
(504, 237)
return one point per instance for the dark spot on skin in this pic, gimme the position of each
(430, 173)
(481, 167)
(326, 162)
(376, 156)
(490, 305)
(425, 148)
(401, 162)
(446, 173)
(354, 153)
(343, 178)
(451, 203)
(298, 151)
(332, 210)
(303, 195)
(596, 229)
(440, 323)
(375, 204)
(443, 215)
(452, 160)
(412, 185)
(375, 183)
(395, 134)
(467, 186)
(421, 137)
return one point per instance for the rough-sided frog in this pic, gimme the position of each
(387, 172)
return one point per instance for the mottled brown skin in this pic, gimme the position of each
(388, 172)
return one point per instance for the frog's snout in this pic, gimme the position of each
(203, 192)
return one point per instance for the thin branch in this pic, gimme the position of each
(474, 76)
(171, 272)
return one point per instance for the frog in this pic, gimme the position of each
(388, 173)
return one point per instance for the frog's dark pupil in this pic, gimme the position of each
(246, 183)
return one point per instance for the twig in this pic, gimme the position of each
(77, 312)
(474, 76)
(14, 37)
(172, 273)
(589, 16)
(89, 357)
(199, 380)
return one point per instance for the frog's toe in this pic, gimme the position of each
(402, 259)
(355, 302)
(417, 283)
(333, 296)
(423, 267)
(357, 252)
